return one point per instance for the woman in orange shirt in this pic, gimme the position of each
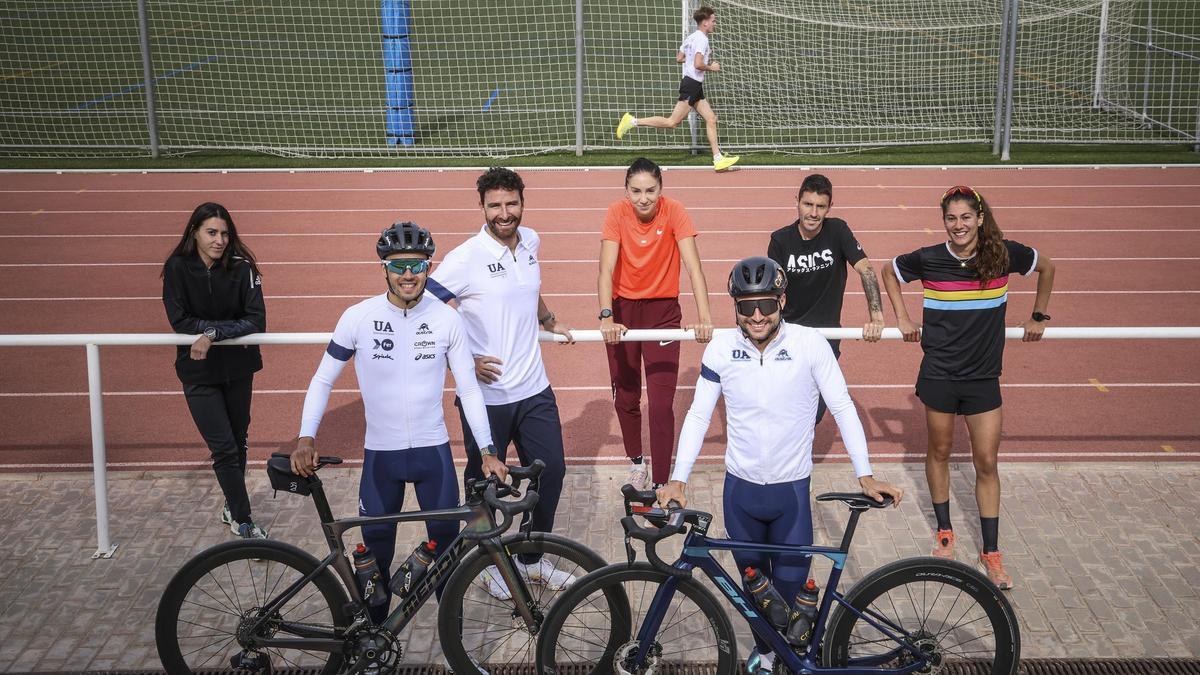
(645, 236)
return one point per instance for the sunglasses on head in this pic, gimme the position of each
(402, 265)
(964, 191)
(767, 306)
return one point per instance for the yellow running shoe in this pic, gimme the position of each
(725, 162)
(625, 125)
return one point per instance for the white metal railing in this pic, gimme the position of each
(105, 547)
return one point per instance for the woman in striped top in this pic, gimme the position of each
(965, 281)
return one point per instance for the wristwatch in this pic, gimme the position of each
(1038, 316)
(605, 313)
(543, 319)
(489, 451)
(210, 333)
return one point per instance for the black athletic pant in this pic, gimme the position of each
(222, 414)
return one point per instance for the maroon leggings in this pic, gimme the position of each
(661, 361)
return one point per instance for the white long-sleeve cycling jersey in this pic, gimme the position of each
(401, 358)
(770, 406)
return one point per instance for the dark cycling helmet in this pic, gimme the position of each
(757, 275)
(404, 237)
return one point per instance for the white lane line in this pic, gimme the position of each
(713, 294)
(607, 387)
(569, 261)
(833, 456)
(593, 233)
(544, 189)
(576, 209)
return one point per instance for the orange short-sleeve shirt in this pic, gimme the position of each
(648, 261)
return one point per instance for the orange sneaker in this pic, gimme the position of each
(995, 570)
(943, 544)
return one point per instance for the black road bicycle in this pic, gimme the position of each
(263, 604)
(919, 615)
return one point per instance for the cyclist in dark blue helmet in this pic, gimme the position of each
(771, 374)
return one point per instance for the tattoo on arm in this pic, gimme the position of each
(871, 289)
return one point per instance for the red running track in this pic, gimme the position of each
(85, 251)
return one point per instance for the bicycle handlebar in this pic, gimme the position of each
(670, 523)
(492, 490)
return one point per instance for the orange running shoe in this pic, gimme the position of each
(943, 544)
(995, 570)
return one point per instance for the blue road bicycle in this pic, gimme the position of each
(919, 615)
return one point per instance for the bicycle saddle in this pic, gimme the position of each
(855, 500)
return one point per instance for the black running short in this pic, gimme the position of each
(691, 91)
(960, 397)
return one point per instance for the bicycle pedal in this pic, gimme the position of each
(253, 662)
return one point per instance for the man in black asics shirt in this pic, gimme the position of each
(815, 251)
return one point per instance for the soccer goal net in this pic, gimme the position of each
(361, 78)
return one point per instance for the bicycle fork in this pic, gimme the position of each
(524, 605)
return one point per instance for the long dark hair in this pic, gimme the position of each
(236, 248)
(991, 256)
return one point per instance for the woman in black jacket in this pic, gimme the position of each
(212, 288)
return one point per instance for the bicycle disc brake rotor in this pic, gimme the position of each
(928, 644)
(626, 653)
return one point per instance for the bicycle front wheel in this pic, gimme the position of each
(593, 629)
(479, 627)
(957, 618)
(205, 612)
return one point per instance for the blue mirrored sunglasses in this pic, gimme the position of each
(402, 265)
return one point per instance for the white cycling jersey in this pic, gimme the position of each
(401, 366)
(770, 406)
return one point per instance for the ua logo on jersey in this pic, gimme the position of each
(383, 327)
(740, 355)
(495, 268)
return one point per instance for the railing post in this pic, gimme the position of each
(1001, 72)
(1014, 23)
(104, 548)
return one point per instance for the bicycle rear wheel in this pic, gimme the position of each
(477, 629)
(221, 589)
(951, 612)
(593, 628)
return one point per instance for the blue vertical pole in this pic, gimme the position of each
(397, 64)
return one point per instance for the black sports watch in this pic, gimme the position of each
(210, 333)
(605, 313)
(1038, 316)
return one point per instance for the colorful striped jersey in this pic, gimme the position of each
(962, 330)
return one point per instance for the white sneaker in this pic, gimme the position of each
(638, 475)
(494, 583)
(543, 572)
(227, 518)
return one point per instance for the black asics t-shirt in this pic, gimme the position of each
(816, 271)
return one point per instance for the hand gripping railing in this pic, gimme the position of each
(105, 548)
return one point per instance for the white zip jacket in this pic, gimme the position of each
(770, 406)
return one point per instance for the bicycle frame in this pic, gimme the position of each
(697, 554)
(478, 518)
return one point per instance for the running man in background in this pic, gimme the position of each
(814, 251)
(694, 54)
(645, 237)
(404, 342)
(496, 280)
(770, 374)
(965, 280)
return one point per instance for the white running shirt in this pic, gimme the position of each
(497, 292)
(401, 366)
(770, 406)
(696, 43)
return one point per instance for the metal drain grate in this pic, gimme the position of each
(1028, 667)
